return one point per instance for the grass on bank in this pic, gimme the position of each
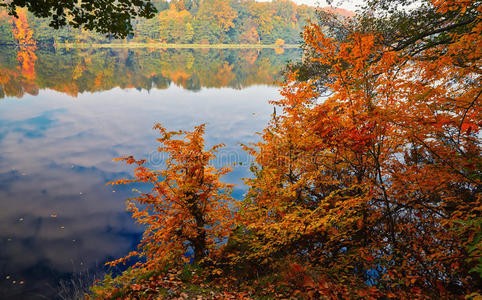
(175, 46)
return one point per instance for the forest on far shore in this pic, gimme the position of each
(182, 22)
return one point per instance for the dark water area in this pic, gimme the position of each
(65, 114)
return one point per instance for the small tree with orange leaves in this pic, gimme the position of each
(188, 207)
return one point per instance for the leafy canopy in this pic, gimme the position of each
(188, 207)
(365, 178)
(110, 17)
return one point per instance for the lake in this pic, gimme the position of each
(65, 114)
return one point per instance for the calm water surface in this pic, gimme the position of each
(65, 114)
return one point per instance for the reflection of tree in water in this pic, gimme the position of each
(17, 72)
(249, 55)
(23, 35)
(26, 58)
(73, 71)
(225, 75)
(19, 77)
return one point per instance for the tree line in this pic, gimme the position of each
(182, 21)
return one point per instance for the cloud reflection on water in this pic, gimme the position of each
(56, 156)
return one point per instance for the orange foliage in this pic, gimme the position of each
(368, 191)
(379, 175)
(23, 34)
(179, 76)
(187, 207)
(26, 58)
(21, 30)
(225, 75)
(225, 14)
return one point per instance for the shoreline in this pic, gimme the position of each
(176, 46)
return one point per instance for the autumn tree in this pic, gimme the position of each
(225, 14)
(213, 20)
(175, 25)
(188, 207)
(263, 17)
(249, 33)
(365, 179)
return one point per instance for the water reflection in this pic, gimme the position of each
(26, 70)
(56, 214)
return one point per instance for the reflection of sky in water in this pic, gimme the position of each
(56, 156)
